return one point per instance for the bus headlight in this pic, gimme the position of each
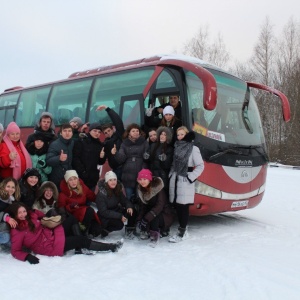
(206, 190)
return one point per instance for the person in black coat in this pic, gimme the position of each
(88, 154)
(114, 209)
(159, 156)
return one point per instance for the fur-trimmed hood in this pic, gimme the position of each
(47, 185)
(168, 132)
(156, 186)
(189, 137)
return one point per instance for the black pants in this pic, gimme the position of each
(68, 223)
(182, 211)
(157, 223)
(77, 242)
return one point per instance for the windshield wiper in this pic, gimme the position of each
(229, 150)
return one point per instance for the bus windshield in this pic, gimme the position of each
(235, 120)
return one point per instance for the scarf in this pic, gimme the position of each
(16, 163)
(182, 152)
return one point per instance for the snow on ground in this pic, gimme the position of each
(251, 254)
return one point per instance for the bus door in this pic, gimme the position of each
(132, 109)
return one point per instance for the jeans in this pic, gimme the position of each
(129, 192)
(4, 237)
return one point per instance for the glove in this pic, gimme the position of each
(42, 163)
(146, 155)
(33, 260)
(162, 157)
(73, 204)
(143, 225)
(149, 111)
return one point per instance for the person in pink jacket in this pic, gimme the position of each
(31, 234)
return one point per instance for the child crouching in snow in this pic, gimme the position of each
(155, 214)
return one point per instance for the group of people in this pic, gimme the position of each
(58, 175)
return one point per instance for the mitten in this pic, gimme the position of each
(146, 155)
(162, 157)
(42, 163)
(143, 225)
(33, 260)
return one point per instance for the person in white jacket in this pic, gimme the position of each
(186, 168)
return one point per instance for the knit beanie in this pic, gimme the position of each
(12, 127)
(145, 174)
(169, 110)
(31, 172)
(110, 175)
(69, 174)
(95, 126)
(77, 120)
(1, 128)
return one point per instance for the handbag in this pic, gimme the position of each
(51, 222)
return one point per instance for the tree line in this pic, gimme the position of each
(275, 61)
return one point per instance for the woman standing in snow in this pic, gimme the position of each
(186, 168)
(155, 214)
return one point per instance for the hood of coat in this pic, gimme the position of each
(168, 132)
(47, 185)
(189, 137)
(156, 186)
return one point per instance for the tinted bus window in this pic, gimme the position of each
(8, 105)
(69, 100)
(109, 89)
(31, 104)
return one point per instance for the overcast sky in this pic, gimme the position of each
(43, 41)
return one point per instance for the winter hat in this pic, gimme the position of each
(110, 175)
(46, 114)
(168, 132)
(31, 172)
(1, 128)
(169, 110)
(145, 174)
(77, 120)
(69, 174)
(12, 127)
(95, 126)
(39, 136)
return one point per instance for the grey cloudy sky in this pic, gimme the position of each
(43, 41)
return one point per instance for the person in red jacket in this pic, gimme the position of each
(29, 233)
(14, 158)
(74, 196)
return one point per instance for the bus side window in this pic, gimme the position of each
(64, 115)
(79, 112)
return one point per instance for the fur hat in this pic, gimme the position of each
(31, 172)
(45, 114)
(39, 136)
(12, 127)
(169, 110)
(95, 126)
(77, 120)
(69, 174)
(145, 174)
(110, 175)
(168, 132)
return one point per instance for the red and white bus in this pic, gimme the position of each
(219, 107)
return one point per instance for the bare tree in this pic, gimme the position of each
(214, 52)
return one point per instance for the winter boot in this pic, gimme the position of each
(154, 238)
(77, 232)
(144, 235)
(113, 247)
(129, 233)
(180, 236)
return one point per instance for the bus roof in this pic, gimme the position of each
(147, 60)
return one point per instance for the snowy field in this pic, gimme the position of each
(252, 254)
